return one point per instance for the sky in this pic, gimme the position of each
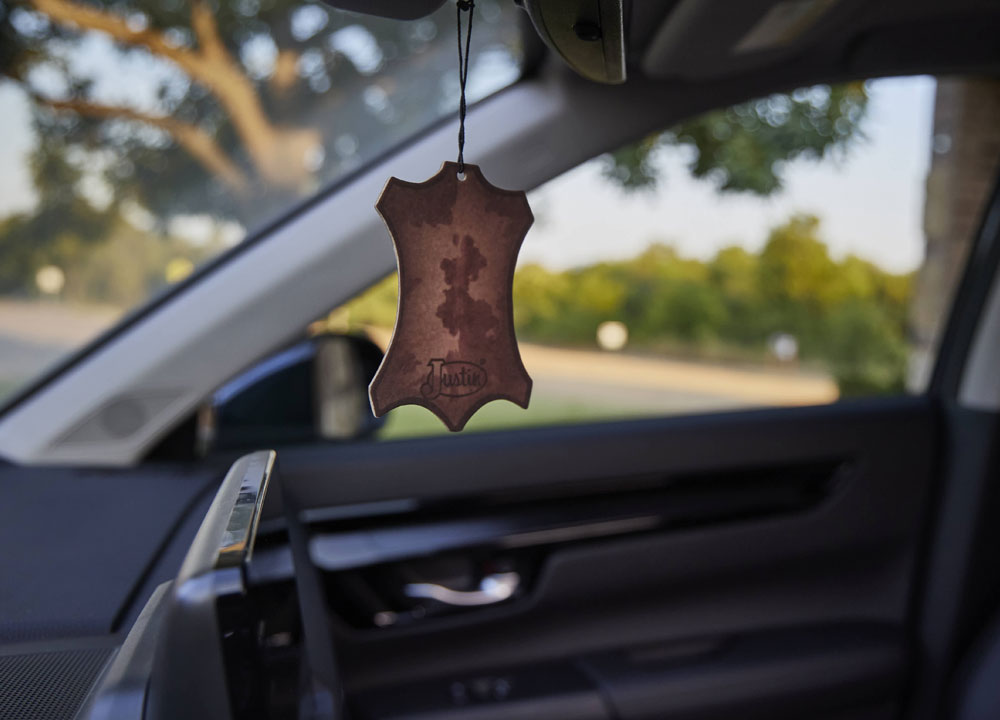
(16, 191)
(870, 203)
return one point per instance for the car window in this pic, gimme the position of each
(791, 250)
(138, 139)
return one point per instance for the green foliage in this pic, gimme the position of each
(33, 239)
(122, 270)
(376, 306)
(848, 316)
(865, 348)
(743, 148)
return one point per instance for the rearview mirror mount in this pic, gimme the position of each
(395, 9)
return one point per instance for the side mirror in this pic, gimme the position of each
(315, 390)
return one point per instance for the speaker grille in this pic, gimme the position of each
(48, 685)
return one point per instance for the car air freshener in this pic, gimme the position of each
(456, 236)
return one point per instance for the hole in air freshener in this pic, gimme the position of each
(456, 237)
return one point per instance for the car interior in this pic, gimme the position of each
(832, 562)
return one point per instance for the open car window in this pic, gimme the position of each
(791, 250)
(140, 139)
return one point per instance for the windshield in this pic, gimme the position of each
(140, 138)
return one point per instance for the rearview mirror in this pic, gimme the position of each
(315, 390)
(396, 9)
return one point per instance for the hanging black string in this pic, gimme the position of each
(463, 75)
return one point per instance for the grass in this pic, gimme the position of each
(413, 421)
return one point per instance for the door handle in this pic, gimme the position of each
(492, 589)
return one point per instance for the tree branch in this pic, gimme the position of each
(207, 32)
(279, 154)
(198, 143)
(84, 17)
(285, 71)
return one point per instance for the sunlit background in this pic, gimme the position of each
(773, 253)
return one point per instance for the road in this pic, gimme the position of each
(35, 334)
(661, 383)
(580, 385)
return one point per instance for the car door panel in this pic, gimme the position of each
(836, 671)
(783, 541)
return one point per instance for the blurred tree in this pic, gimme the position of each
(734, 271)
(865, 349)
(744, 147)
(376, 306)
(848, 316)
(131, 263)
(857, 278)
(734, 274)
(234, 110)
(541, 296)
(688, 311)
(795, 267)
(33, 239)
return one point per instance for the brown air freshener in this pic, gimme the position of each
(453, 348)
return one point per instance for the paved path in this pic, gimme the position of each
(661, 384)
(35, 334)
(644, 380)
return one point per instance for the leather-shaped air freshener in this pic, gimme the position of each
(453, 348)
